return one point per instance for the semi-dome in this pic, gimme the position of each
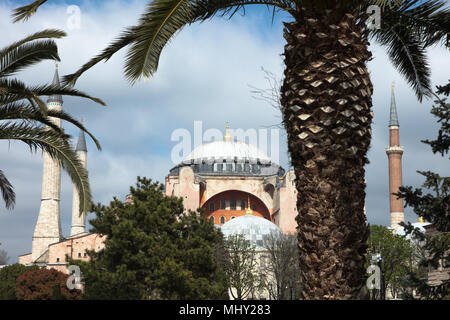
(226, 150)
(253, 228)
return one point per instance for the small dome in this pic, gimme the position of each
(227, 150)
(253, 228)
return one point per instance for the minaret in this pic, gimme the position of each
(79, 221)
(48, 226)
(394, 153)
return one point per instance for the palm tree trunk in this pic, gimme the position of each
(326, 99)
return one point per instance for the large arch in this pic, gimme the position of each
(252, 186)
(229, 204)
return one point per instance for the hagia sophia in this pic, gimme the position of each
(240, 189)
(230, 179)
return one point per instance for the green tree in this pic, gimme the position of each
(326, 100)
(153, 250)
(3, 256)
(45, 284)
(434, 207)
(22, 112)
(240, 267)
(8, 279)
(397, 255)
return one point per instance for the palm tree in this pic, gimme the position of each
(23, 112)
(326, 106)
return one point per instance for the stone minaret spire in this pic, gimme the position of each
(79, 222)
(48, 226)
(394, 153)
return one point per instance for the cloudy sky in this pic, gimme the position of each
(204, 74)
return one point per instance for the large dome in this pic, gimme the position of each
(253, 228)
(227, 150)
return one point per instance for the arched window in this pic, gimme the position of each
(223, 204)
(222, 220)
(233, 203)
(233, 217)
(211, 206)
(211, 219)
(243, 205)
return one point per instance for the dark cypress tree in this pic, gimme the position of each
(434, 207)
(153, 250)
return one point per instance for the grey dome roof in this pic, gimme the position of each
(253, 228)
(226, 150)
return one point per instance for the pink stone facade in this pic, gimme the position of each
(276, 194)
(74, 247)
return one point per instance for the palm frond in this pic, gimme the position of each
(27, 55)
(22, 111)
(25, 12)
(205, 9)
(427, 20)
(7, 190)
(15, 90)
(163, 18)
(407, 31)
(122, 41)
(390, 3)
(58, 148)
(157, 25)
(408, 56)
(27, 113)
(44, 34)
(48, 90)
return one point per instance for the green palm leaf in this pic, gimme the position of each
(15, 90)
(44, 34)
(122, 41)
(161, 20)
(25, 119)
(58, 148)
(25, 12)
(49, 90)
(157, 25)
(27, 55)
(7, 191)
(22, 111)
(407, 31)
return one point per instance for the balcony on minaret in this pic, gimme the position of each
(394, 150)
